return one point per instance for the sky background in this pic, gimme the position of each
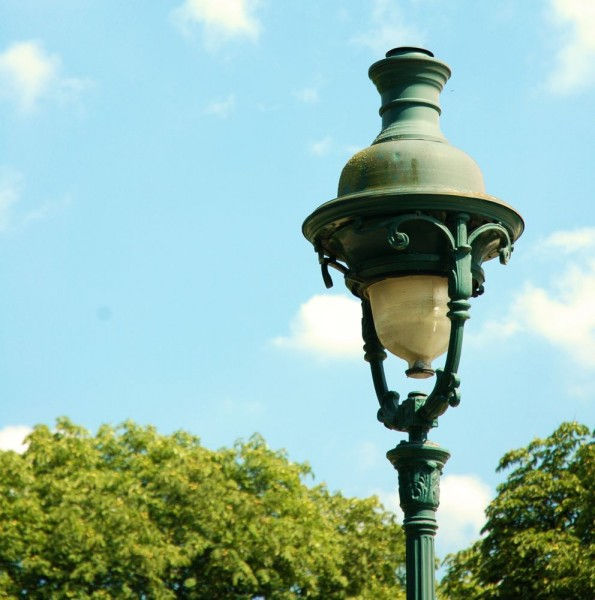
(157, 160)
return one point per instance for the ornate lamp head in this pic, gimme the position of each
(409, 229)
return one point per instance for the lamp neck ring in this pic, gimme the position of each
(409, 81)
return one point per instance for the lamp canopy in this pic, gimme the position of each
(409, 168)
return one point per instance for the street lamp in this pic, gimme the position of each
(409, 230)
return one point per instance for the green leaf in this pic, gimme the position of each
(129, 513)
(538, 540)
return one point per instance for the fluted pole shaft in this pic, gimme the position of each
(419, 466)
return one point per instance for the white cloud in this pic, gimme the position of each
(45, 210)
(14, 213)
(574, 67)
(221, 20)
(12, 438)
(221, 108)
(495, 329)
(368, 455)
(28, 71)
(389, 29)
(463, 500)
(28, 74)
(307, 95)
(571, 241)
(390, 501)
(461, 514)
(328, 326)
(10, 191)
(321, 147)
(562, 312)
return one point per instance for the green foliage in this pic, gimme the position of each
(129, 513)
(539, 529)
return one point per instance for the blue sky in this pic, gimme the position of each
(156, 164)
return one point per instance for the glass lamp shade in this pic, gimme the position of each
(410, 318)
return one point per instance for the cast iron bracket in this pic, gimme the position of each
(325, 262)
(418, 413)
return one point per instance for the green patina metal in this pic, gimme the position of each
(410, 204)
(419, 466)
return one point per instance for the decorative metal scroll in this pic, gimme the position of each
(417, 414)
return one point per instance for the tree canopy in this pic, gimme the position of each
(129, 513)
(538, 540)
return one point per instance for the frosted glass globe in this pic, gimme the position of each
(410, 318)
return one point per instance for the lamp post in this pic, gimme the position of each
(409, 230)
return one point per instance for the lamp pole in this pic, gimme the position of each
(409, 230)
